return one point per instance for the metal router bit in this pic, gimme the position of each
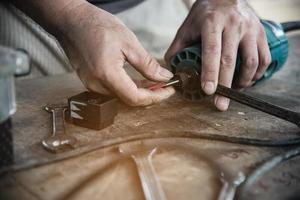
(188, 82)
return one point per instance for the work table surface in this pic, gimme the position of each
(190, 155)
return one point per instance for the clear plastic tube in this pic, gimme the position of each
(143, 159)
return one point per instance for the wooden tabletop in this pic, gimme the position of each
(191, 141)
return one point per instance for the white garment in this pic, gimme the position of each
(155, 23)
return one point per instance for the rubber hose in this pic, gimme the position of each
(290, 26)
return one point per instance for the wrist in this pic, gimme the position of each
(64, 17)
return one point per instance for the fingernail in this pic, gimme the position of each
(209, 87)
(222, 103)
(166, 73)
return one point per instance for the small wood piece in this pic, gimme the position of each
(92, 110)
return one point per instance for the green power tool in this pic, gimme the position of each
(190, 57)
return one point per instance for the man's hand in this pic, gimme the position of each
(223, 27)
(98, 45)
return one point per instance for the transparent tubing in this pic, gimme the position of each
(230, 185)
(143, 159)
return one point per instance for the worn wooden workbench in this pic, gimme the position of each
(188, 162)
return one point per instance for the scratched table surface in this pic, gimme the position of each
(190, 160)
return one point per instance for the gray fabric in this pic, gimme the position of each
(19, 31)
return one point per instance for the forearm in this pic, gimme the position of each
(51, 15)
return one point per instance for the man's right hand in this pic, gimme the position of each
(98, 45)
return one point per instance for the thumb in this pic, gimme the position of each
(178, 44)
(143, 62)
(173, 49)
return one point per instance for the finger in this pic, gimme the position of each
(142, 61)
(249, 57)
(230, 43)
(264, 55)
(123, 86)
(211, 53)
